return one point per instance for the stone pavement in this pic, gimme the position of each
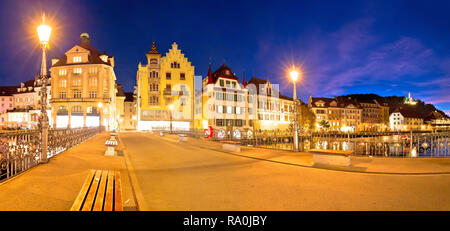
(55, 185)
(375, 165)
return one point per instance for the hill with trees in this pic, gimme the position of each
(395, 102)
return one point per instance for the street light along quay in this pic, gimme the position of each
(294, 76)
(171, 110)
(44, 32)
(100, 105)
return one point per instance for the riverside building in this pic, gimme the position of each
(165, 91)
(83, 87)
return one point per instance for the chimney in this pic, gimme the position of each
(84, 38)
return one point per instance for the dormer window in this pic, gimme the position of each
(104, 58)
(153, 61)
(77, 59)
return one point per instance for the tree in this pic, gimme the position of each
(305, 117)
(325, 124)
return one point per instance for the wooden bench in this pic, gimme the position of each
(101, 191)
(232, 146)
(331, 157)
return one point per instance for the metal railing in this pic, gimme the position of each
(20, 150)
(387, 144)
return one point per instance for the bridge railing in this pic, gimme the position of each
(20, 150)
(388, 144)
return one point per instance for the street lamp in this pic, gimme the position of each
(100, 105)
(294, 76)
(44, 32)
(171, 110)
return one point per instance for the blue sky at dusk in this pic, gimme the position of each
(344, 47)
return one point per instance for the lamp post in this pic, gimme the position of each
(171, 110)
(294, 76)
(100, 105)
(44, 32)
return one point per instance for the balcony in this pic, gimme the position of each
(98, 99)
(167, 92)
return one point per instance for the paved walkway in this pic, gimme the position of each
(55, 185)
(190, 176)
(381, 165)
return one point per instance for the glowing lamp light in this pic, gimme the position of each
(171, 107)
(44, 31)
(100, 105)
(205, 124)
(294, 75)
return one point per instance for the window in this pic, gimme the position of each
(77, 59)
(62, 95)
(153, 74)
(77, 94)
(62, 72)
(228, 83)
(93, 82)
(77, 109)
(221, 83)
(219, 122)
(63, 83)
(182, 76)
(77, 70)
(175, 65)
(168, 76)
(104, 58)
(229, 110)
(153, 61)
(76, 82)
(93, 94)
(234, 84)
(92, 70)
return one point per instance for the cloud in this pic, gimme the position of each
(355, 58)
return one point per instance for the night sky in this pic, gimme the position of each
(344, 47)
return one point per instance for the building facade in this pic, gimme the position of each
(273, 110)
(165, 91)
(130, 118)
(83, 88)
(372, 117)
(406, 120)
(341, 113)
(224, 104)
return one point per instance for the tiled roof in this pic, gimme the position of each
(94, 57)
(29, 83)
(224, 72)
(346, 101)
(153, 50)
(8, 90)
(257, 82)
(408, 113)
(326, 101)
(129, 97)
(120, 90)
